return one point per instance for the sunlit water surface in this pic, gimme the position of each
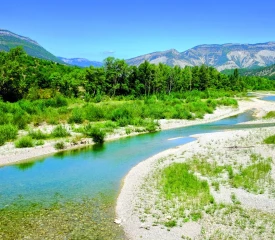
(91, 173)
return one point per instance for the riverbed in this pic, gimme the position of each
(72, 191)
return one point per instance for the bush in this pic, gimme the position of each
(60, 131)
(39, 143)
(77, 116)
(151, 126)
(94, 113)
(170, 224)
(57, 101)
(95, 133)
(228, 102)
(38, 135)
(59, 145)
(24, 142)
(7, 132)
(21, 119)
(2, 140)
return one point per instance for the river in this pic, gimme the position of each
(59, 189)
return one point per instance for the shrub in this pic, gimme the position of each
(170, 224)
(228, 102)
(39, 143)
(57, 101)
(7, 132)
(2, 140)
(77, 116)
(59, 145)
(121, 113)
(95, 133)
(60, 131)
(94, 113)
(151, 126)
(24, 142)
(38, 135)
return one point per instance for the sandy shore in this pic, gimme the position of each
(10, 155)
(142, 210)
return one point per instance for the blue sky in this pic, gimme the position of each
(97, 29)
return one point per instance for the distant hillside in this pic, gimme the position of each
(10, 40)
(81, 62)
(268, 72)
(226, 56)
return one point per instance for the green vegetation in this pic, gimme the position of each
(24, 142)
(170, 224)
(270, 140)
(40, 79)
(254, 177)
(205, 168)
(35, 92)
(267, 72)
(95, 133)
(7, 132)
(270, 114)
(60, 131)
(59, 145)
(10, 41)
(38, 135)
(178, 181)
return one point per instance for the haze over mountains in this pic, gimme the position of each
(81, 62)
(225, 56)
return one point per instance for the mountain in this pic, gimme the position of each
(10, 40)
(81, 62)
(268, 72)
(225, 56)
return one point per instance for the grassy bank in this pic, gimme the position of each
(94, 120)
(210, 189)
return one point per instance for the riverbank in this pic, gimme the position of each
(238, 212)
(10, 155)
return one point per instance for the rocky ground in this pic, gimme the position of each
(243, 204)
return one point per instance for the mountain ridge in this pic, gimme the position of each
(221, 56)
(81, 62)
(9, 40)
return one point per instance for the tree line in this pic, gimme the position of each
(22, 76)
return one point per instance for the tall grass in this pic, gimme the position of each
(254, 177)
(60, 131)
(178, 181)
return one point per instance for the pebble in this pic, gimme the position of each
(117, 221)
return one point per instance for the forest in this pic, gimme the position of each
(94, 102)
(25, 77)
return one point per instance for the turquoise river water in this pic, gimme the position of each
(93, 171)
